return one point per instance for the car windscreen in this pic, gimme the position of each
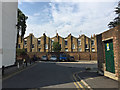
(53, 56)
(71, 57)
(63, 55)
(44, 56)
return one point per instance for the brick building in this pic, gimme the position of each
(108, 54)
(68, 44)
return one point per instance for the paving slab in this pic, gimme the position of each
(94, 80)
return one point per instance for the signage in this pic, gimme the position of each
(108, 46)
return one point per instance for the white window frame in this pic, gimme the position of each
(80, 49)
(93, 49)
(66, 49)
(46, 46)
(39, 50)
(79, 40)
(87, 46)
(24, 41)
(93, 43)
(67, 42)
(40, 41)
(73, 46)
(52, 41)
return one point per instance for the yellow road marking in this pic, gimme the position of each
(77, 84)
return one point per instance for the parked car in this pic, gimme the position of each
(71, 58)
(44, 57)
(53, 58)
(63, 57)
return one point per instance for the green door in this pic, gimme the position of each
(109, 56)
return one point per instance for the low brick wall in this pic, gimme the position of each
(77, 55)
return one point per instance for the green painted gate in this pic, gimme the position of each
(109, 56)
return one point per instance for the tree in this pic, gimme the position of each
(21, 25)
(21, 52)
(56, 47)
(116, 21)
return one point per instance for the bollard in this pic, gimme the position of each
(18, 65)
(3, 70)
(26, 63)
(30, 61)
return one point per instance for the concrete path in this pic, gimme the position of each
(97, 81)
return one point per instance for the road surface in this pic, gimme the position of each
(47, 75)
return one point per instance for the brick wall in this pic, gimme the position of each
(112, 34)
(100, 53)
(77, 55)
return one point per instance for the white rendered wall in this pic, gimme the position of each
(9, 32)
(0, 34)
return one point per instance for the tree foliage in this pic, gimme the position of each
(56, 47)
(21, 24)
(116, 20)
(21, 52)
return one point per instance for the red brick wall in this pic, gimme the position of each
(113, 34)
(119, 54)
(100, 54)
(77, 55)
(93, 56)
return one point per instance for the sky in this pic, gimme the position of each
(67, 17)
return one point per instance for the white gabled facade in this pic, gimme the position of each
(8, 33)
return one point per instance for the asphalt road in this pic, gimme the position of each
(45, 75)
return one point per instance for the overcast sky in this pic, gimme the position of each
(67, 17)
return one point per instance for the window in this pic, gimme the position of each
(93, 50)
(73, 46)
(32, 45)
(39, 49)
(65, 42)
(25, 49)
(18, 45)
(80, 49)
(79, 42)
(52, 50)
(39, 41)
(46, 46)
(60, 45)
(25, 42)
(66, 49)
(92, 42)
(52, 41)
(86, 46)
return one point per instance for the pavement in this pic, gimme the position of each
(59, 75)
(13, 70)
(94, 80)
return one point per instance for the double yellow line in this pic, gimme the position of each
(77, 83)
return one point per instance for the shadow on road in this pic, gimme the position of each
(44, 75)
